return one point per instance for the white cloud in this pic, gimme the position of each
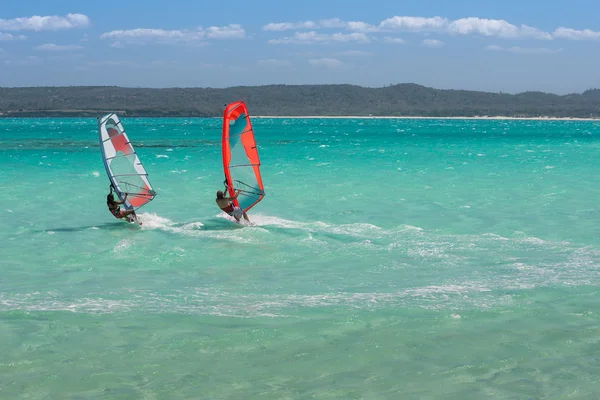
(534, 33)
(433, 43)
(314, 37)
(287, 26)
(464, 26)
(326, 62)
(358, 26)
(232, 31)
(573, 34)
(437, 24)
(333, 23)
(274, 63)
(47, 23)
(468, 26)
(143, 35)
(57, 47)
(495, 27)
(524, 50)
(159, 35)
(393, 40)
(414, 23)
(8, 36)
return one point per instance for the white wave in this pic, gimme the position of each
(96, 174)
(122, 245)
(152, 221)
(212, 301)
(162, 156)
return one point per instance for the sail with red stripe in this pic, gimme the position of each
(240, 157)
(123, 166)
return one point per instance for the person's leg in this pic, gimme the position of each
(238, 213)
(125, 213)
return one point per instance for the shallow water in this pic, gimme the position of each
(389, 259)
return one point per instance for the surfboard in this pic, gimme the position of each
(123, 166)
(241, 162)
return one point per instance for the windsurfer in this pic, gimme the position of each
(225, 204)
(113, 206)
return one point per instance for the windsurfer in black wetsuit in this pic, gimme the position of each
(113, 206)
(226, 205)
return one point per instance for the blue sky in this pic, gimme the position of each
(509, 46)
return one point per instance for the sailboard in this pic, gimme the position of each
(240, 157)
(123, 166)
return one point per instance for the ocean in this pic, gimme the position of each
(389, 259)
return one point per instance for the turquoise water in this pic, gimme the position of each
(445, 259)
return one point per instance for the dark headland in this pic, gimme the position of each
(293, 100)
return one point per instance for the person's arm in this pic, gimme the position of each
(235, 196)
(124, 198)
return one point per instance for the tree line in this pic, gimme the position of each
(293, 100)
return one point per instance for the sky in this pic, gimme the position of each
(509, 46)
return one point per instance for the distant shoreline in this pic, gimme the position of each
(124, 115)
(415, 117)
(401, 101)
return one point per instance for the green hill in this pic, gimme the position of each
(293, 100)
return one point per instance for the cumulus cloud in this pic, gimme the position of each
(414, 23)
(573, 34)
(144, 35)
(314, 37)
(287, 26)
(495, 27)
(333, 23)
(463, 26)
(46, 23)
(433, 43)
(57, 47)
(232, 31)
(524, 50)
(358, 26)
(326, 62)
(8, 36)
